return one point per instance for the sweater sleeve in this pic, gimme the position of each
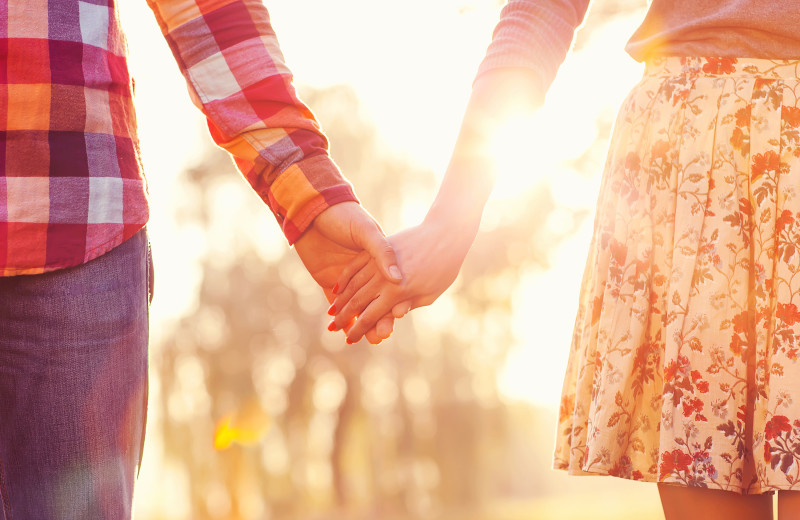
(229, 55)
(534, 34)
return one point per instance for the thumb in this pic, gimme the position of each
(373, 241)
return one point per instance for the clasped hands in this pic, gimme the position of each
(357, 267)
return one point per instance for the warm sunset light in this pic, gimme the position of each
(512, 147)
(258, 412)
(537, 152)
(244, 430)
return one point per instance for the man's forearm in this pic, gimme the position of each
(237, 76)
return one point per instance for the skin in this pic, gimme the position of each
(789, 505)
(431, 254)
(335, 239)
(689, 503)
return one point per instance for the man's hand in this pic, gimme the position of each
(349, 225)
(337, 237)
(431, 255)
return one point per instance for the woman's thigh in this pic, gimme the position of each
(690, 503)
(788, 505)
(73, 387)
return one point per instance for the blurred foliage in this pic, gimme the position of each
(306, 424)
(307, 427)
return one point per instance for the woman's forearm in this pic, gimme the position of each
(497, 96)
(431, 254)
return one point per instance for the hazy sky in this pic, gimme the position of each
(412, 67)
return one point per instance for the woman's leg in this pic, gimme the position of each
(788, 505)
(73, 376)
(689, 503)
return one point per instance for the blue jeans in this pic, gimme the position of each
(73, 387)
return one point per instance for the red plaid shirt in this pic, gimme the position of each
(71, 181)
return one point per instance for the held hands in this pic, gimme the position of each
(338, 235)
(370, 293)
(430, 254)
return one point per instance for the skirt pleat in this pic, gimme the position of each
(684, 360)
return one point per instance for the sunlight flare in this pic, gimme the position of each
(246, 427)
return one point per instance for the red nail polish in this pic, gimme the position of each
(336, 289)
(332, 310)
(350, 341)
(332, 326)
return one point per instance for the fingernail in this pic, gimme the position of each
(395, 273)
(332, 326)
(332, 310)
(336, 289)
(350, 341)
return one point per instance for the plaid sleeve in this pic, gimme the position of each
(229, 55)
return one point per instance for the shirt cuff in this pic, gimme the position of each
(304, 190)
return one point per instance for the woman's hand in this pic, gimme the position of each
(430, 257)
(334, 240)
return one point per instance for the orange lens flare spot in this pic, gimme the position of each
(245, 428)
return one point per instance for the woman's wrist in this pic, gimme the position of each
(455, 214)
(453, 224)
(465, 189)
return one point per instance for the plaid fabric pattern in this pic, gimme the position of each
(236, 75)
(70, 186)
(71, 181)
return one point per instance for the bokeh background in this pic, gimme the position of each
(256, 411)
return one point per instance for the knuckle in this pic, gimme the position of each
(344, 297)
(357, 304)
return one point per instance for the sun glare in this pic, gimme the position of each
(589, 88)
(414, 84)
(246, 431)
(418, 118)
(512, 150)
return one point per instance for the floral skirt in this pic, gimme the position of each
(685, 360)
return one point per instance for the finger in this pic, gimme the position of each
(368, 319)
(345, 311)
(371, 238)
(382, 330)
(357, 282)
(347, 326)
(372, 336)
(401, 309)
(385, 327)
(355, 265)
(333, 327)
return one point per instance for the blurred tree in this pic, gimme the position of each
(305, 423)
(307, 427)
